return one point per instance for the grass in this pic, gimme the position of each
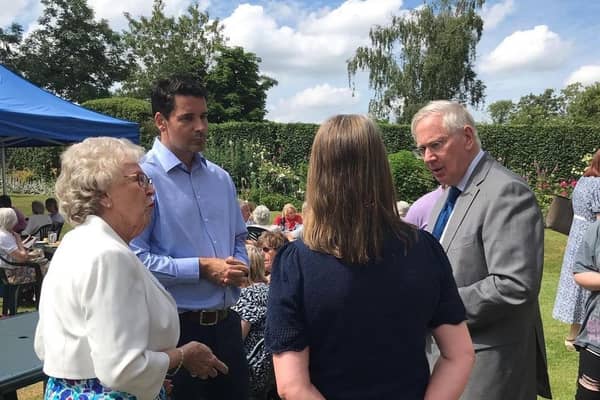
(562, 364)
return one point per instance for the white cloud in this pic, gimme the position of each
(20, 11)
(314, 104)
(586, 75)
(492, 16)
(318, 43)
(537, 49)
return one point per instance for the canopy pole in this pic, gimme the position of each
(3, 170)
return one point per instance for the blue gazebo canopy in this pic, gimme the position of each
(31, 116)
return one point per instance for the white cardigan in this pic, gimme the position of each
(103, 315)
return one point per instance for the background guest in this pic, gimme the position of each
(52, 208)
(5, 201)
(569, 305)
(246, 208)
(289, 218)
(252, 307)
(586, 271)
(11, 248)
(359, 262)
(37, 219)
(262, 219)
(270, 243)
(419, 211)
(297, 233)
(106, 327)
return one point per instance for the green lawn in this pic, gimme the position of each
(562, 364)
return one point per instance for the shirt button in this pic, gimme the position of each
(205, 219)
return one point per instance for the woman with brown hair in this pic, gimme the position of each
(351, 304)
(569, 305)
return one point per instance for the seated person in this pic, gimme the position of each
(289, 218)
(297, 233)
(37, 219)
(262, 219)
(5, 201)
(52, 208)
(11, 248)
(247, 207)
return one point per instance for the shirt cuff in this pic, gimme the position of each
(188, 269)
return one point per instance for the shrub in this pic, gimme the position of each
(411, 178)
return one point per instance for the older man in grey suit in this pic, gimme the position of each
(491, 227)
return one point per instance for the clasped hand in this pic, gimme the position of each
(225, 272)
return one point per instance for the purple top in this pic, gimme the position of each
(418, 213)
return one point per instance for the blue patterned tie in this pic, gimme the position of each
(442, 219)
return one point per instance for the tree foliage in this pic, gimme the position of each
(71, 53)
(500, 111)
(10, 39)
(236, 90)
(573, 104)
(163, 46)
(428, 54)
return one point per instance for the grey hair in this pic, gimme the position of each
(8, 218)
(87, 171)
(261, 215)
(454, 117)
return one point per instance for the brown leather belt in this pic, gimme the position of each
(205, 317)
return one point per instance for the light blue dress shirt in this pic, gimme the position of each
(196, 214)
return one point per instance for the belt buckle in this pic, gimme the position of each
(215, 318)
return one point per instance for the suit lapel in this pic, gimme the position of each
(466, 199)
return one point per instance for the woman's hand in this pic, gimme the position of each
(200, 361)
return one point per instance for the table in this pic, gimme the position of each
(20, 366)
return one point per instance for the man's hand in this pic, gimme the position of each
(200, 361)
(229, 271)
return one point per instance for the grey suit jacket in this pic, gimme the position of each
(495, 243)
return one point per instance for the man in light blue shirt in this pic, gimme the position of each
(194, 244)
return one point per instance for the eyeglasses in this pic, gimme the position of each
(434, 147)
(142, 179)
(267, 249)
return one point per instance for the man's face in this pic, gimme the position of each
(447, 155)
(185, 131)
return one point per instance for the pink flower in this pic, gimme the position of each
(563, 184)
(573, 183)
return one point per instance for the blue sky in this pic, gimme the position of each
(527, 45)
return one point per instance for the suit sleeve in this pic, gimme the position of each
(512, 239)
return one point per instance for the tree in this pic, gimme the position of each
(584, 107)
(71, 54)
(426, 55)
(501, 111)
(236, 91)
(547, 107)
(9, 41)
(162, 46)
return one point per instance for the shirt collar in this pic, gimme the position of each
(168, 160)
(463, 182)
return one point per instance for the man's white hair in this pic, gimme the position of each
(454, 117)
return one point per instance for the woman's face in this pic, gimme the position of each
(290, 213)
(269, 254)
(131, 200)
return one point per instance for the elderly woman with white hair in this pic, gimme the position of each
(12, 249)
(107, 328)
(262, 219)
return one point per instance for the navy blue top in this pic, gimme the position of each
(365, 325)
